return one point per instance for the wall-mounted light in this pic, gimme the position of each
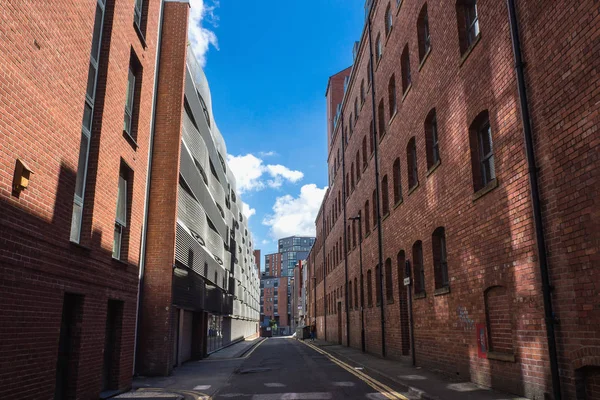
(21, 177)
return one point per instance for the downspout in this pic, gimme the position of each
(344, 194)
(148, 180)
(535, 200)
(377, 189)
(324, 272)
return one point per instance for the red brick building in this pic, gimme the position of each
(444, 122)
(76, 110)
(273, 264)
(257, 260)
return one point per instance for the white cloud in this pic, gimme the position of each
(250, 171)
(247, 211)
(199, 36)
(267, 153)
(265, 241)
(295, 215)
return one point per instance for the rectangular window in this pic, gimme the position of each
(132, 99)
(137, 13)
(121, 218)
(86, 124)
(488, 171)
(472, 21)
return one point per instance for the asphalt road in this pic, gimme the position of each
(282, 368)
(277, 368)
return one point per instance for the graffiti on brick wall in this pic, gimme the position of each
(464, 321)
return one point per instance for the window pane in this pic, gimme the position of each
(116, 253)
(76, 223)
(91, 82)
(81, 167)
(130, 90)
(97, 32)
(122, 202)
(87, 117)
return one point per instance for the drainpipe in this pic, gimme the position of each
(344, 194)
(324, 272)
(535, 200)
(377, 189)
(148, 180)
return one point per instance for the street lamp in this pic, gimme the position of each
(362, 292)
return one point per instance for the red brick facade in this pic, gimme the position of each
(44, 66)
(273, 264)
(493, 287)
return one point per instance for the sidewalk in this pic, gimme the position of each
(236, 350)
(418, 382)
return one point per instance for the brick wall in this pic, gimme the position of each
(155, 353)
(42, 87)
(490, 235)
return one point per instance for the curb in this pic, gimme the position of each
(412, 392)
(258, 341)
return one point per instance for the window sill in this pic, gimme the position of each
(494, 355)
(80, 246)
(390, 301)
(434, 167)
(398, 203)
(120, 263)
(421, 295)
(412, 189)
(130, 139)
(425, 57)
(138, 30)
(393, 117)
(381, 136)
(365, 166)
(385, 216)
(367, 234)
(469, 50)
(406, 91)
(441, 291)
(378, 61)
(493, 184)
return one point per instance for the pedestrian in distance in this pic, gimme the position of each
(313, 328)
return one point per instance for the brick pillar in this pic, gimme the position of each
(156, 333)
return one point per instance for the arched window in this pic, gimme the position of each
(347, 184)
(405, 65)
(364, 151)
(355, 110)
(440, 262)
(388, 20)
(401, 260)
(350, 294)
(355, 293)
(367, 216)
(350, 124)
(397, 181)
(389, 284)
(378, 284)
(369, 289)
(392, 96)
(499, 320)
(385, 196)
(352, 176)
(362, 92)
(431, 139)
(423, 33)
(411, 157)
(482, 151)
(418, 273)
(374, 199)
(468, 24)
(357, 166)
(353, 234)
(349, 239)
(381, 115)
(379, 48)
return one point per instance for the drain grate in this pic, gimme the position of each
(252, 370)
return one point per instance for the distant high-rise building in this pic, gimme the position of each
(293, 249)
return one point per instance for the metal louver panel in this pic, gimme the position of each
(216, 246)
(195, 143)
(191, 213)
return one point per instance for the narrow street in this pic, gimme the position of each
(277, 368)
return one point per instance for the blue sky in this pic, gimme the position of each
(267, 64)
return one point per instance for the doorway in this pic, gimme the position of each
(112, 345)
(68, 347)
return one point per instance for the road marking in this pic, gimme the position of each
(274, 384)
(293, 396)
(202, 387)
(375, 384)
(234, 359)
(343, 384)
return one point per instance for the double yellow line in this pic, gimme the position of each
(375, 384)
